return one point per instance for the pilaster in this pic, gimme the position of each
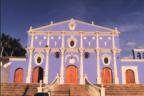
(32, 40)
(81, 59)
(46, 74)
(62, 67)
(114, 50)
(28, 78)
(48, 39)
(98, 59)
(62, 61)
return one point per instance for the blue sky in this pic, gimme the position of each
(126, 15)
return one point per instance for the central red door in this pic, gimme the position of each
(107, 76)
(71, 74)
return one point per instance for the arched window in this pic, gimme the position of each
(37, 74)
(18, 76)
(130, 76)
(107, 75)
(139, 55)
(87, 55)
(57, 54)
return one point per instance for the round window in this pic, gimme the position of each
(106, 60)
(72, 43)
(39, 60)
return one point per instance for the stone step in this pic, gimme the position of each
(124, 90)
(19, 89)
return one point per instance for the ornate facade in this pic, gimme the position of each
(72, 51)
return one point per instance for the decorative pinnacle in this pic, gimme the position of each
(116, 28)
(92, 22)
(51, 22)
(30, 29)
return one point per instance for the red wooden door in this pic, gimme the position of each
(107, 76)
(18, 78)
(37, 75)
(130, 77)
(71, 74)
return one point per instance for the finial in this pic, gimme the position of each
(116, 28)
(51, 22)
(92, 22)
(72, 19)
(30, 29)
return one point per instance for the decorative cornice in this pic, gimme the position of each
(73, 33)
(132, 60)
(116, 50)
(30, 49)
(92, 50)
(17, 59)
(139, 50)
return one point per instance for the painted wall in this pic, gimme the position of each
(90, 64)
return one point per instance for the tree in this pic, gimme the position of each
(10, 46)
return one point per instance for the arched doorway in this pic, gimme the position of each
(71, 74)
(130, 76)
(107, 75)
(18, 76)
(37, 74)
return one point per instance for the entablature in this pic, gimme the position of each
(73, 33)
(91, 50)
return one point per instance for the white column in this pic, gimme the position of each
(32, 40)
(81, 60)
(81, 68)
(48, 39)
(62, 61)
(46, 75)
(98, 59)
(116, 79)
(28, 78)
(46, 67)
(62, 68)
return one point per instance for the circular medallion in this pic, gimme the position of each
(72, 42)
(38, 59)
(106, 59)
(72, 60)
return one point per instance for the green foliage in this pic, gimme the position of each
(11, 46)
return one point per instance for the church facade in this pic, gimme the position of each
(73, 51)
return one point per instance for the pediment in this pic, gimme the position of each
(73, 25)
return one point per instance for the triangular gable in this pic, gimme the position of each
(78, 26)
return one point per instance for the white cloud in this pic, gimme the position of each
(131, 27)
(130, 43)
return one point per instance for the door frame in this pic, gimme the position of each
(134, 68)
(77, 73)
